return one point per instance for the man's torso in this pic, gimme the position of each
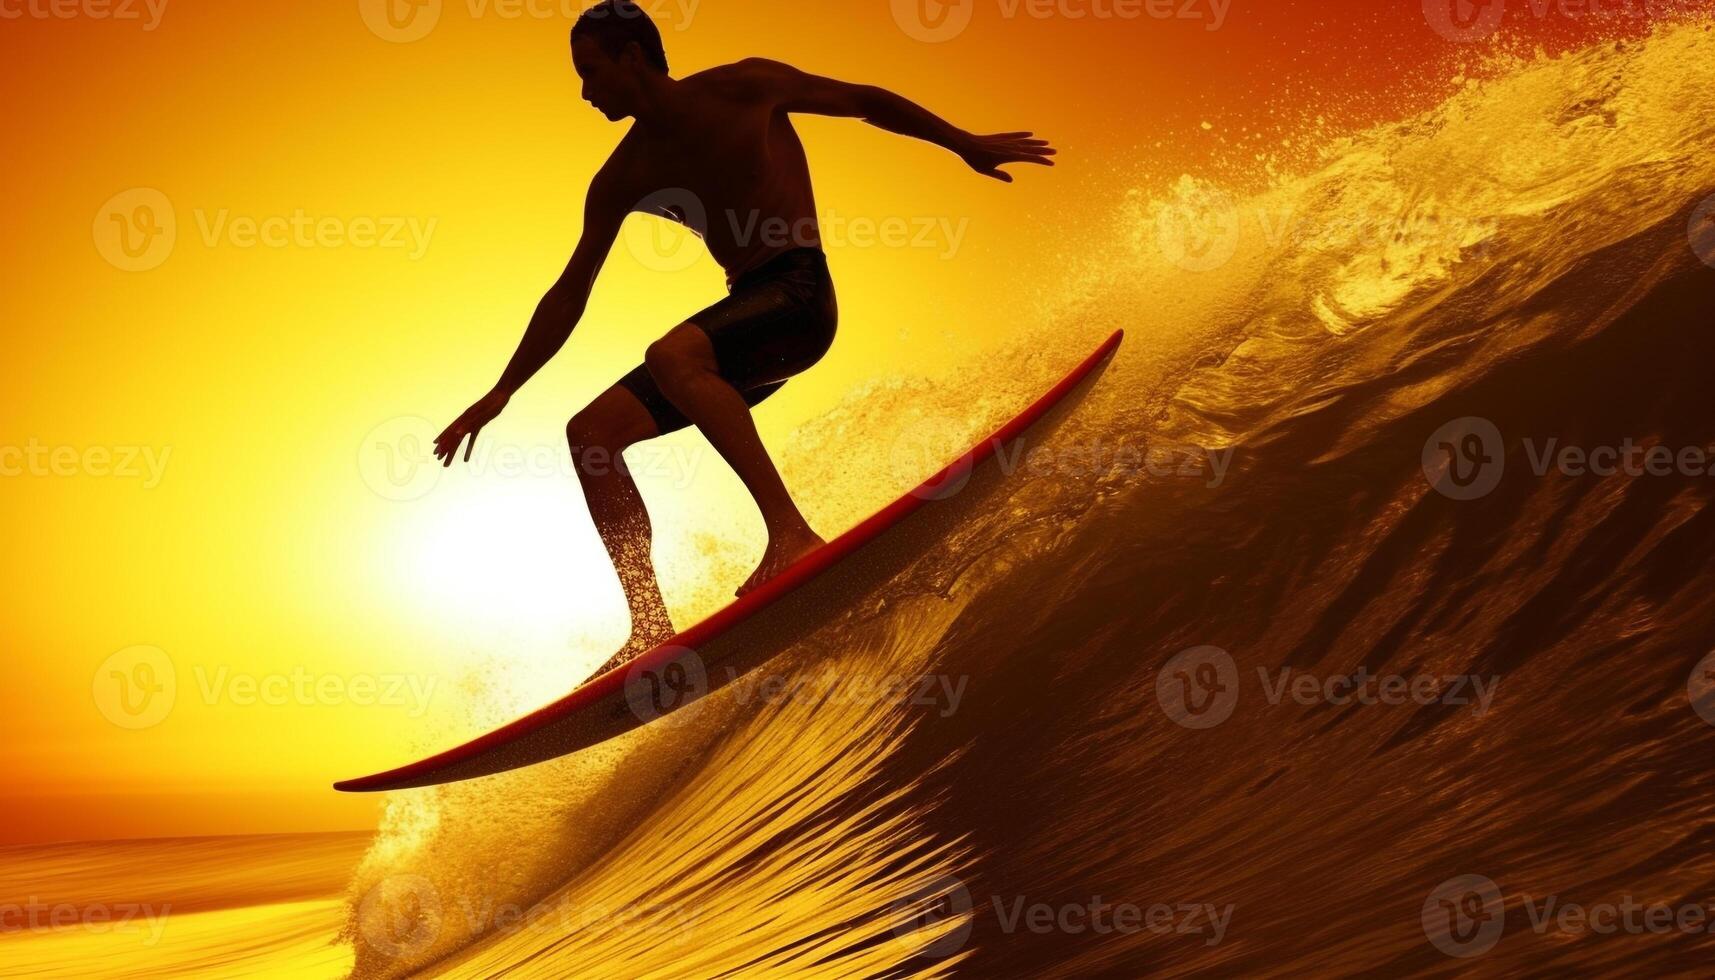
(742, 163)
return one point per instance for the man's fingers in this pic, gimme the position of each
(1018, 156)
(470, 447)
(1022, 152)
(999, 175)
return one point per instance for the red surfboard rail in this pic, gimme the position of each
(607, 686)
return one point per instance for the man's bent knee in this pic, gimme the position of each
(676, 357)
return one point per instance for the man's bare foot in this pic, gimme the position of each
(639, 643)
(781, 553)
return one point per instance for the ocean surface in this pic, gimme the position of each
(265, 905)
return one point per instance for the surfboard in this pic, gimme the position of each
(759, 625)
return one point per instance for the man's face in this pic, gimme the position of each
(608, 82)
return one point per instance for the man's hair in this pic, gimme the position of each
(613, 24)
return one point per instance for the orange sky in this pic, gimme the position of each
(187, 435)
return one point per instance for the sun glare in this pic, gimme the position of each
(512, 560)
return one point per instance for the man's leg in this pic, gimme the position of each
(598, 436)
(684, 367)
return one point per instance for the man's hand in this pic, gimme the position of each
(486, 410)
(985, 154)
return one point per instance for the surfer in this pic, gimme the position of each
(715, 151)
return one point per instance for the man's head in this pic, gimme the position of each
(615, 47)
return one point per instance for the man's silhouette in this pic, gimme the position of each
(720, 142)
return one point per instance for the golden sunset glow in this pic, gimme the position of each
(257, 256)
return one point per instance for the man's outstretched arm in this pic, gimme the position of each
(558, 312)
(799, 91)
